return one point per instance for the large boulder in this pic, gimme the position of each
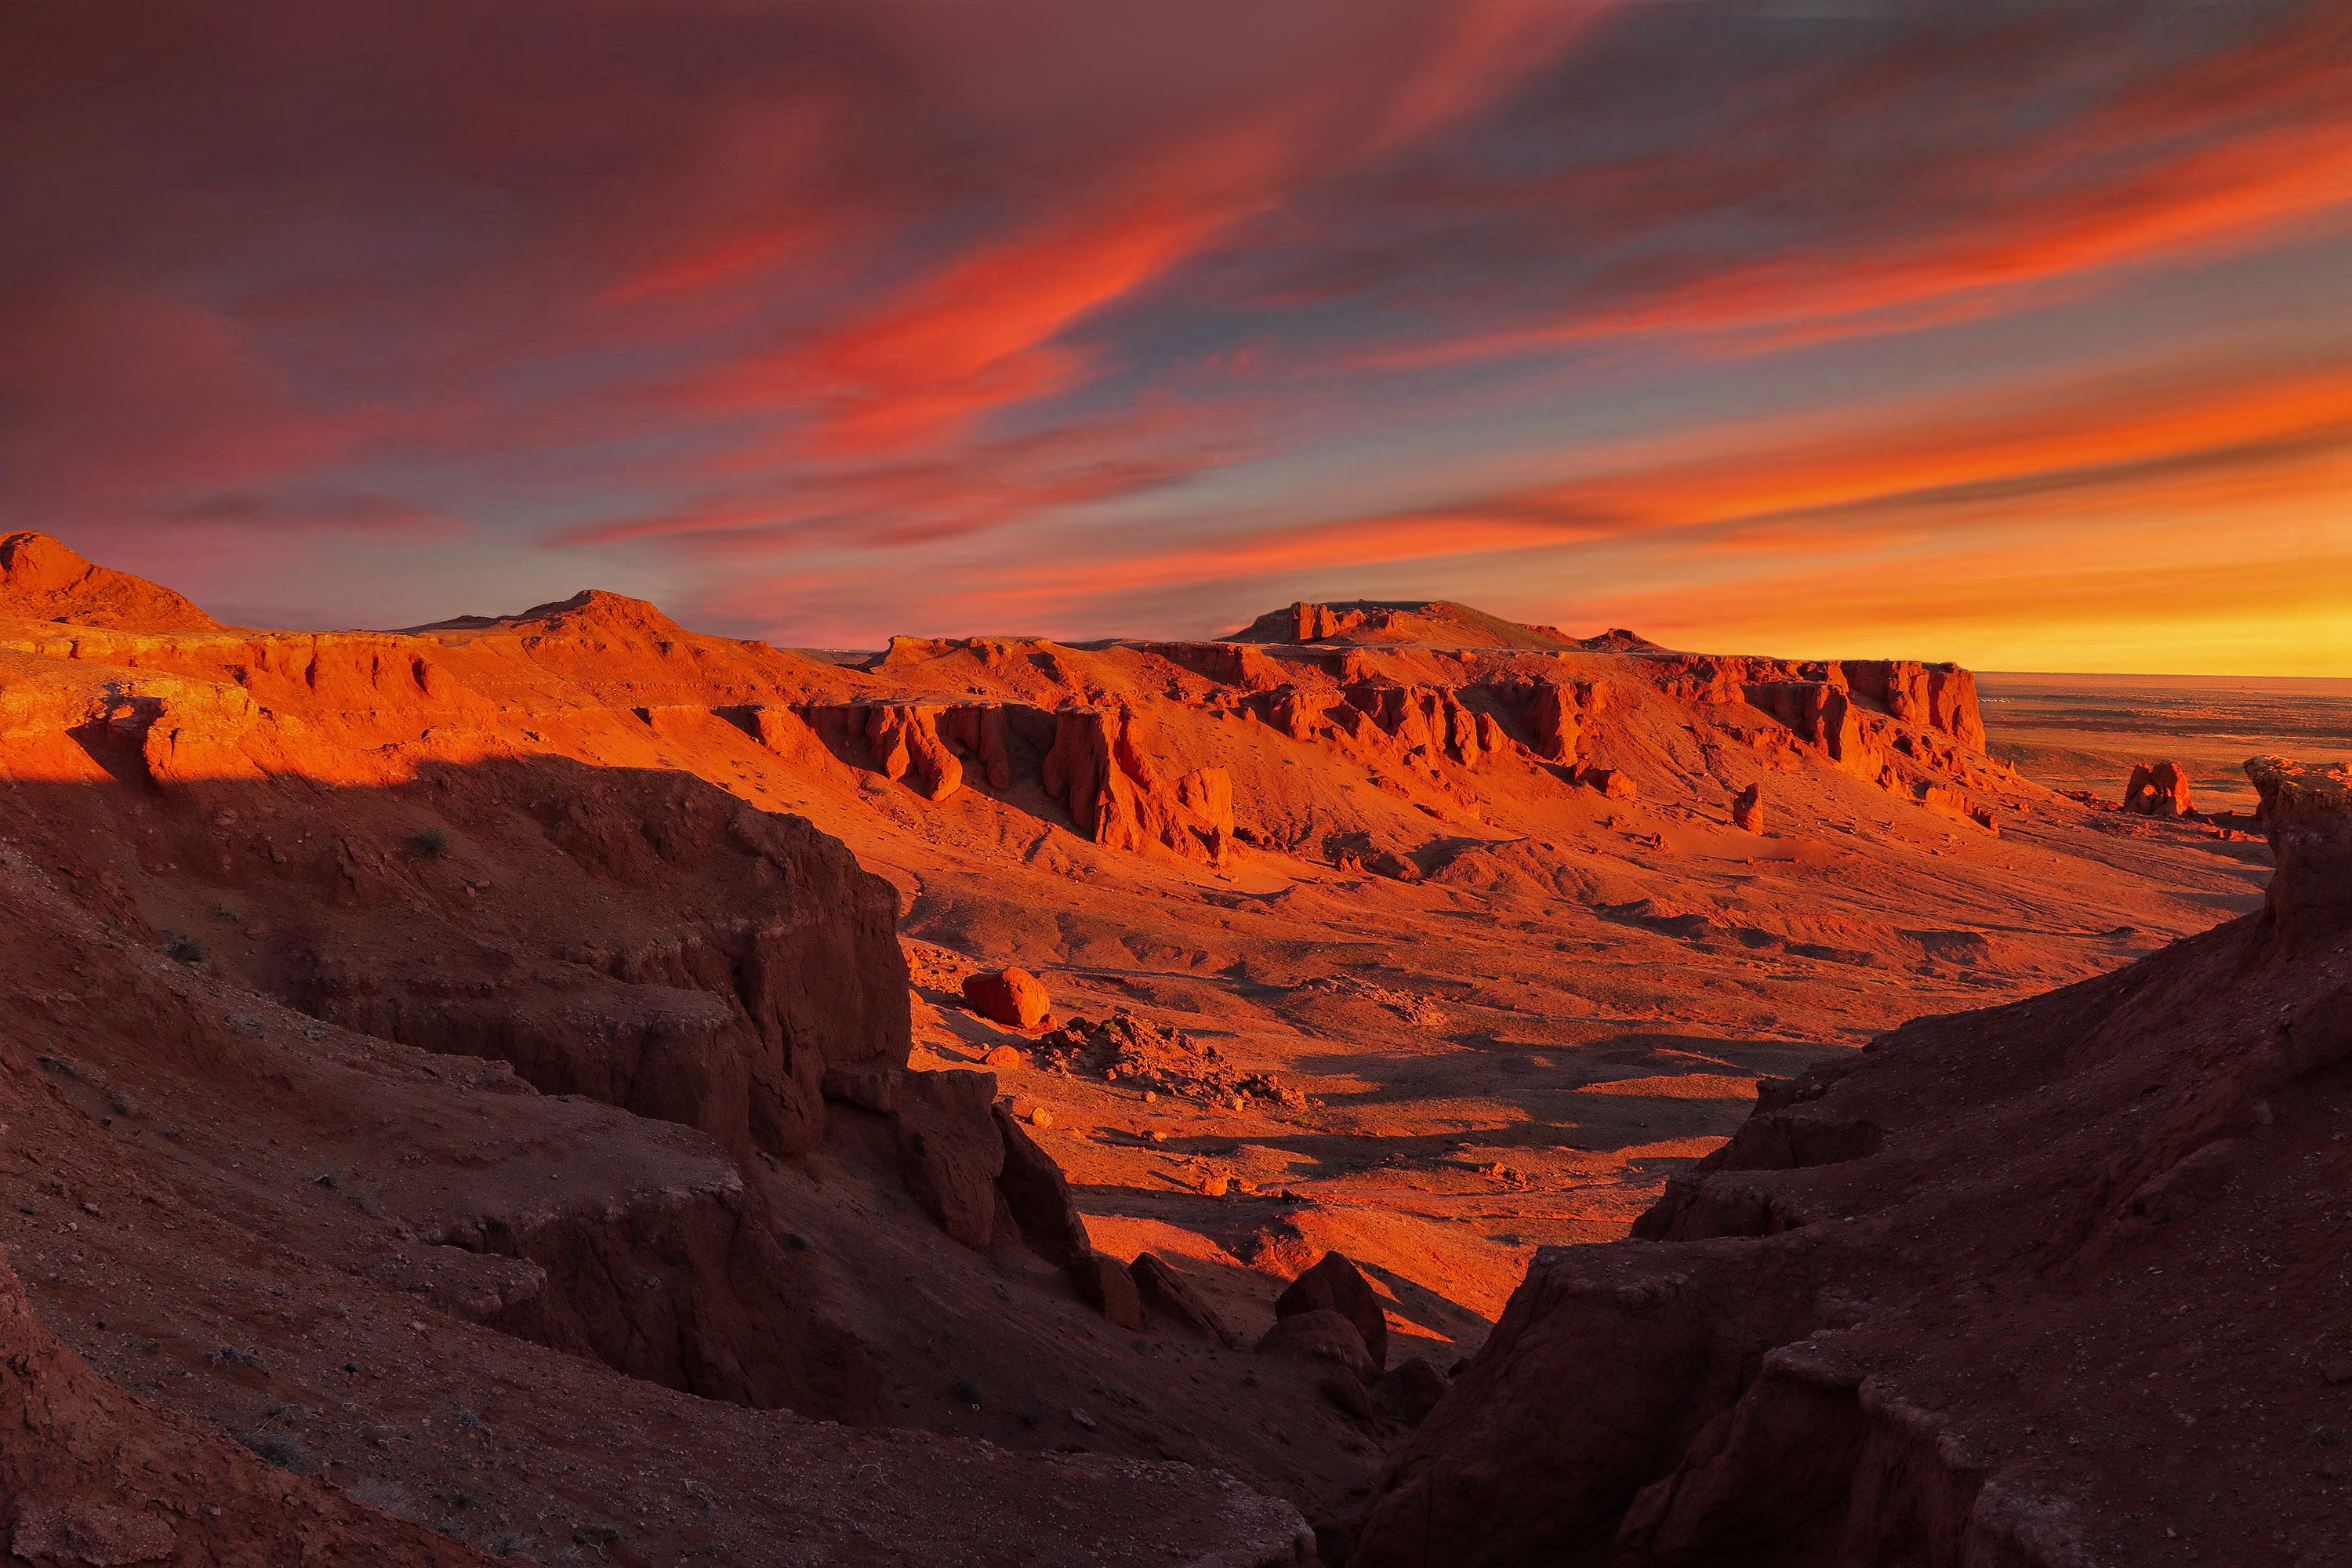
(1319, 1336)
(1105, 1285)
(1413, 1389)
(1039, 1196)
(1337, 1284)
(1171, 1295)
(1013, 997)
(1747, 810)
(953, 1148)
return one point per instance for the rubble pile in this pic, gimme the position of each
(1157, 1059)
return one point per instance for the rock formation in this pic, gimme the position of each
(1336, 1285)
(2158, 791)
(1747, 809)
(1397, 621)
(1100, 767)
(1321, 1334)
(416, 1055)
(2307, 810)
(41, 580)
(1164, 1291)
(1012, 998)
(1869, 1328)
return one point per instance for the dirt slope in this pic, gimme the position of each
(2058, 1283)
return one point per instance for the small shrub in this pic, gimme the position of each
(965, 1391)
(429, 843)
(282, 1450)
(181, 946)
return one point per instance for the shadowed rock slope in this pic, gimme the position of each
(2056, 1284)
(417, 1144)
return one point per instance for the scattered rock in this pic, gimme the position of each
(1156, 1060)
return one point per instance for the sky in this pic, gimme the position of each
(2011, 331)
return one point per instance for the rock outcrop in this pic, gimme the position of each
(1866, 1330)
(2307, 809)
(2161, 790)
(1397, 621)
(1100, 767)
(41, 580)
(1164, 1291)
(1336, 1285)
(1037, 1196)
(1319, 1335)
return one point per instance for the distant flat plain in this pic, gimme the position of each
(2084, 732)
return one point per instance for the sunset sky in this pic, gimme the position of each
(2014, 333)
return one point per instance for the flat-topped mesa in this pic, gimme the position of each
(41, 580)
(2308, 809)
(1437, 621)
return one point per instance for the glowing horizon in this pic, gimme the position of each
(2018, 338)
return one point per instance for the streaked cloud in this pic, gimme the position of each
(1126, 317)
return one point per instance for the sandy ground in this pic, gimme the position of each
(2085, 731)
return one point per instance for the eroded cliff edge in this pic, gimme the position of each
(2054, 1284)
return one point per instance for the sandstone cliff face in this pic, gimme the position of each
(1097, 763)
(1928, 1303)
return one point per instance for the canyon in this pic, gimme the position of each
(515, 1087)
